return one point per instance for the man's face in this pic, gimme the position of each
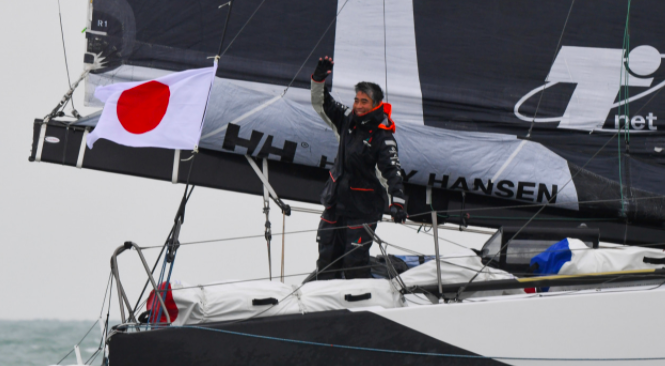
(362, 103)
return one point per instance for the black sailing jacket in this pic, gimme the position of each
(367, 155)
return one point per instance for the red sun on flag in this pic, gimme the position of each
(142, 108)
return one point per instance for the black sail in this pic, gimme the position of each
(501, 106)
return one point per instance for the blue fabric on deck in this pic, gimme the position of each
(551, 260)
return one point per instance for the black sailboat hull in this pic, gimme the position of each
(378, 341)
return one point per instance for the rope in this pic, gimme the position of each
(402, 352)
(556, 51)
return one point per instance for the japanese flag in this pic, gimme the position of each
(166, 112)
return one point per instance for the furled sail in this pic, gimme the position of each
(497, 105)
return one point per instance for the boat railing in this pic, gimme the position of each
(122, 296)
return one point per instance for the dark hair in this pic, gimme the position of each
(372, 90)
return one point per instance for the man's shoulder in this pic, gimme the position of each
(384, 138)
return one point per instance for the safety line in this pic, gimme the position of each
(430, 354)
(215, 284)
(338, 228)
(445, 260)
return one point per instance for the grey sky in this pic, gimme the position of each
(59, 225)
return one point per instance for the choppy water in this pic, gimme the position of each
(45, 342)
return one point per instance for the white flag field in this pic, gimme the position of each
(165, 112)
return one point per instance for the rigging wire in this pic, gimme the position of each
(314, 49)
(108, 283)
(241, 28)
(108, 315)
(564, 186)
(64, 51)
(445, 260)
(440, 238)
(147, 281)
(536, 214)
(507, 274)
(257, 236)
(554, 195)
(623, 95)
(556, 51)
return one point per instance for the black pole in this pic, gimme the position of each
(546, 281)
(228, 16)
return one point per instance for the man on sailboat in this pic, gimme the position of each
(366, 171)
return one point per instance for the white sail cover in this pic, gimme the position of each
(458, 267)
(242, 300)
(571, 256)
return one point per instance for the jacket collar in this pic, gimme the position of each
(379, 117)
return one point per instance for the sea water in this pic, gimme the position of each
(45, 342)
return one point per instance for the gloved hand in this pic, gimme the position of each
(398, 213)
(323, 69)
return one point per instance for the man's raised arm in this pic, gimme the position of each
(324, 104)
